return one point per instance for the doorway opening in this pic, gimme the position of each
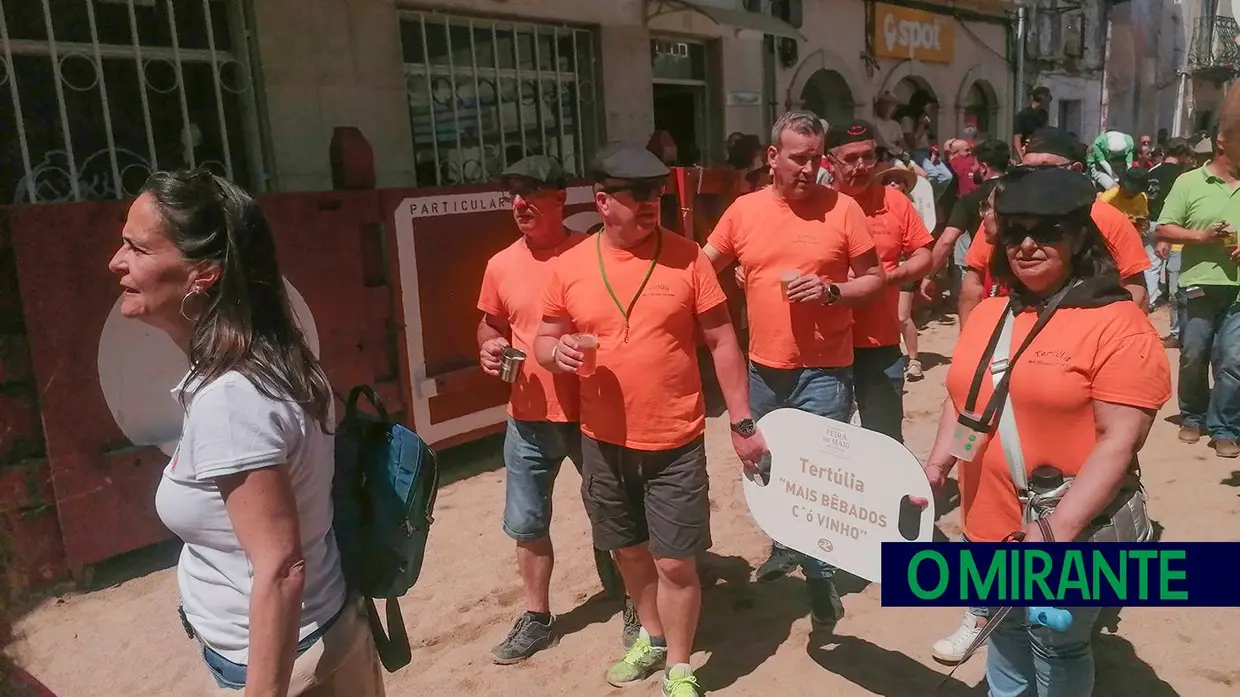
(980, 108)
(827, 95)
(917, 101)
(680, 111)
(683, 92)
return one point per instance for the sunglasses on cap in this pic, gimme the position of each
(1044, 232)
(641, 191)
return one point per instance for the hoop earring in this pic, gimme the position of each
(190, 294)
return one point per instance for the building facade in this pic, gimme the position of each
(96, 95)
(957, 52)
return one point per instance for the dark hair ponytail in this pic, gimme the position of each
(247, 324)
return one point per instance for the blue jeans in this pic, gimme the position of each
(878, 381)
(1210, 335)
(1174, 261)
(1040, 662)
(939, 174)
(823, 391)
(533, 452)
(1153, 275)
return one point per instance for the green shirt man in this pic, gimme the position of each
(1199, 201)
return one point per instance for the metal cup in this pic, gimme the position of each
(510, 361)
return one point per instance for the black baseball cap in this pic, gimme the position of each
(620, 160)
(853, 131)
(539, 169)
(1050, 191)
(1055, 141)
(1136, 178)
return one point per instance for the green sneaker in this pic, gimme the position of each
(680, 682)
(639, 663)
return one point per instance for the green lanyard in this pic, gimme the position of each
(598, 247)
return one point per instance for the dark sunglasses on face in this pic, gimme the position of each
(640, 191)
(1048, 232)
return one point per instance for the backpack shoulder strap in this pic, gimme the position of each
(1009, 436)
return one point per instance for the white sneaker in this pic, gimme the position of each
(951, 649)
(913, 371)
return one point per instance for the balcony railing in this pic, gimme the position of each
(1213, 50)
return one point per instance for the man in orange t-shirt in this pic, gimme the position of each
(899, 234)
(798, 233)
(542, 429)
(1053, 147)
(623, 311)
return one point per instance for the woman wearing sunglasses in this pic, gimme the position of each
(1085, 375)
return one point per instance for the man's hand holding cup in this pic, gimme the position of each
(567, 354)
(490, 354)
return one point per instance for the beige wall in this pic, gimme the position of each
(328, 63)
(836, 31)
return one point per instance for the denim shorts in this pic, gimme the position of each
(533, 453)
(231, 676)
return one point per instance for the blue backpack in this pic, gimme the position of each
(384, 494)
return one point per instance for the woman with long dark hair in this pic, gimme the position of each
(1051, 394)
(249, 486)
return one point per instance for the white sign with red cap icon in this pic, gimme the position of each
(836, 491)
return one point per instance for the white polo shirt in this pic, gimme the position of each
(231, 427)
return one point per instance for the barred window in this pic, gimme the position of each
(483, 94)
(97, 94)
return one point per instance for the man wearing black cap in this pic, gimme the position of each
(1053, 147)
(623, 311)
(543, 408)
(1031, 119)
(899, 234)
(807, 257)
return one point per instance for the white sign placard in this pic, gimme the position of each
(837, 492)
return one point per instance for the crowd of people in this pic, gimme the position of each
(1058, 251)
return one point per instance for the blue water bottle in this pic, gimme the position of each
(1056, 618)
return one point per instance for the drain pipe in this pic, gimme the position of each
(1020, 94)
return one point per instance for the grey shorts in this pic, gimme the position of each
(635, 496)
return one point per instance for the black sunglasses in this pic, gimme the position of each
(641, 191)
(1045, 232)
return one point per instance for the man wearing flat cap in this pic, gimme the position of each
(622, 311)
(807, 258)
(543, 408)
(903, 245)
(1054, 147)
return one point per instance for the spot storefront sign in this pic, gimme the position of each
(902, 32)
(836, 492)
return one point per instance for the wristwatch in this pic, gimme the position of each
(833, 294)
(744, 428)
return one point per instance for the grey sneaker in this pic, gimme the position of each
(632, 626)
(528, 637)
(777, 565)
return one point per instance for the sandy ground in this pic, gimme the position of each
(124, 638)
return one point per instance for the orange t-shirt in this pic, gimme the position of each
(646, 393)
(1121, 237)
(898, 232)
(512, 288)
(821, 236)
(1109, 353)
